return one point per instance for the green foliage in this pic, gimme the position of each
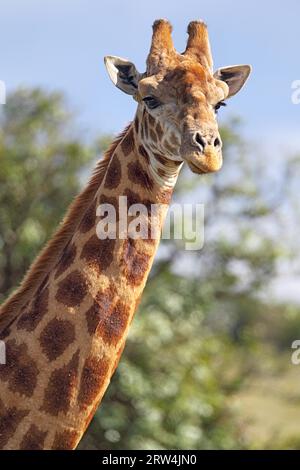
(40, 162)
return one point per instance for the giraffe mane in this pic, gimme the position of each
(48, 256)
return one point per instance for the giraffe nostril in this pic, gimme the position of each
(217, 142)
(200, 141)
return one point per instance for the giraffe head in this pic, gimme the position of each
(179, 96)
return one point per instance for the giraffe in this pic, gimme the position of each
(65, 327)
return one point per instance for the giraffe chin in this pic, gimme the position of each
(208, 162)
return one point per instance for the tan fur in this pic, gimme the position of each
(198, 43)
(162, 49)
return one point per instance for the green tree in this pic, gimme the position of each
(40, 161)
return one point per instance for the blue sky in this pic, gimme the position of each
(60, 44)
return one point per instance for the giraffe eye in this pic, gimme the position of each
(218, 105)
(151, 102)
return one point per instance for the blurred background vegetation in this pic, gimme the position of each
(208, 360)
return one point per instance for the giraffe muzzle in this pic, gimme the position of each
(203, 154)
(202, 142)
(209, 161)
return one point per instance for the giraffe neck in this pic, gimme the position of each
(163, 168)
(65, 344)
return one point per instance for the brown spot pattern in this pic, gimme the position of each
(153, 136)
(145, 128)
(127, 144)
(112, 328)
(94, 375)
(136, 125)
(65, 440)
(10, 418)
(98, 253)
(56, 337)
(89, 219)
(72, 289)
(113, 174)
(169, 147)
(138, 175)
(66, 260)
(113, 201)
(144, 153)
(135, 264)
(161, 159)
(174, 140)
(61, 387)
(151, 120)
(20, 371)
(100, 309)
(159, 131)
(5, 333)
(30, 317)
(107, 318)
(134, 198)
(161, 172)
(34, 439)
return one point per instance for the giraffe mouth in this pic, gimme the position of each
(196, 169)
(209, 161)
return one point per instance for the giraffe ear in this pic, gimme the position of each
(122, 73)
(235, 76)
